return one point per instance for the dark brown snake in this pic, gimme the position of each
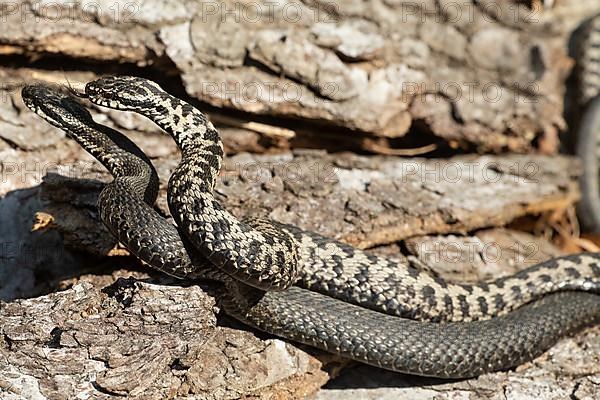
(502, 323)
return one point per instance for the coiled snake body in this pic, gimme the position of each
(401, 319)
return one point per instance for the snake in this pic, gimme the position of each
(587, 145)
(326, 265)
(324, 293)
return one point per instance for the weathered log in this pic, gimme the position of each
(327, 193)
(142, 341)
(378, 75)
(365, 201)
(376, 70)
(106, 337)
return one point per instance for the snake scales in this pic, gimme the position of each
(587, 145)
(402, 319)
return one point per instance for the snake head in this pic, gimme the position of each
(59, 109)
(127, 93)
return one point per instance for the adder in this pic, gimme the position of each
(344, 300)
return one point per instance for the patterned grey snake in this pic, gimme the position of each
(588, 131)
(344, 301)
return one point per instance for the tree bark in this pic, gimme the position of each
(79, 318)
(373, 73)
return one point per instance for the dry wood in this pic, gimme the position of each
(376, 69)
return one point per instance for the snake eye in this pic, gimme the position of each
(119, 92)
